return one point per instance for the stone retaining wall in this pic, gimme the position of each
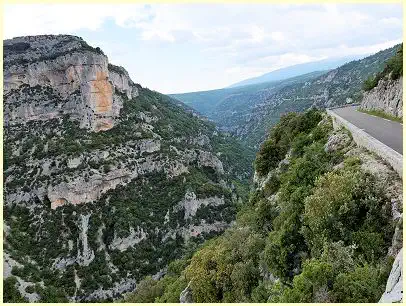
(365, 140)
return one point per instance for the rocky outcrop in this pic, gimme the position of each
(337, 141)
(8, 264)
(191, 203)
(86, 255)
(387, 96)
(207, 159)
(76, 76)
(186, 295)
(81, 190)
(132, 239)
(394, 286)
(84, 184)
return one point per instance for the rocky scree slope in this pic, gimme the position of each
(248, 112)
(323, 224)
(104, 181)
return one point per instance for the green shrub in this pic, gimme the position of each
(173, 287)
(370, 83)
(226, 269)
(393, 67)
(312, 285)
(347, 205)
(274, 149)
(146, 292)
(10, 292)
(363, 285)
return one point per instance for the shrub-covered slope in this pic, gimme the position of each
(319, 227)
(103, 186)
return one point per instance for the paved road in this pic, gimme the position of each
(386, 131)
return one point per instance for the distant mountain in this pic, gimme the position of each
(206, 102)
(337, 87)
(249, 111)
(296, 70)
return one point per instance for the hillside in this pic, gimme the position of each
(296, 70)
(207, 102)
(383, 92)
(105, 181)
(324, 224)
(250, 119)
(230, 107)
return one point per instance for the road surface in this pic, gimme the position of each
(384, 130)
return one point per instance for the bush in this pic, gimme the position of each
(395, 65)
(312, 285)
(226, 269)
(274, 149)
(147, 290)
(370, 83)
(343, 203)
(173, 288)
(10, 292)
(363, 285)
(268, 157)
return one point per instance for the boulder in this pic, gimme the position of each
(337, 141)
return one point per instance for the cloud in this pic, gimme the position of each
(241, 39)
(35, 19)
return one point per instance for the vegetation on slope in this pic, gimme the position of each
(316, 231)
(39, 237)
(393, 69)
(381, 114)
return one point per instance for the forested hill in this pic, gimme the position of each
(248, 112)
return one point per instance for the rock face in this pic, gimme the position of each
(191, 203)
(134, 238)
(86, 255)
(394, 287)
(186, 295)
(79, 191)
(67, 67)
(105, 181)
(387, 96)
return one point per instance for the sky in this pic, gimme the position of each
(175, 48)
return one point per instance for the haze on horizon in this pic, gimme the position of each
(174, 48)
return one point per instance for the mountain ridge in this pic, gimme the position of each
(256, 108)
(296, 70)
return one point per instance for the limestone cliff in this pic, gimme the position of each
(66, 67)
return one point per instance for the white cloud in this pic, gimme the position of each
(247, 39)
(277, 36)
(35, 19)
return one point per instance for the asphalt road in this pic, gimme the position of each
(384, 130)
